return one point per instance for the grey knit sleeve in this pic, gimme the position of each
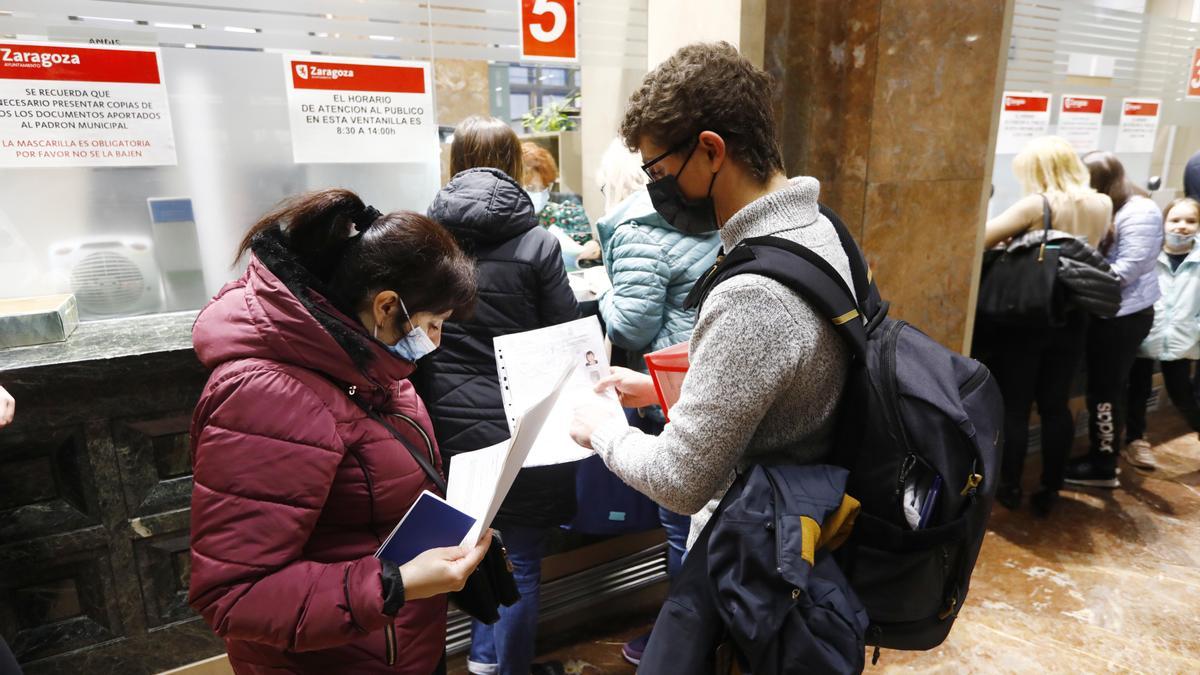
(747, 348)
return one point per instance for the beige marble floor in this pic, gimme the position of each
(1110, 582)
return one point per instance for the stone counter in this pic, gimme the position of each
(100, 341)
(95, 485)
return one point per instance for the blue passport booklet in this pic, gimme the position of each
(429, 523)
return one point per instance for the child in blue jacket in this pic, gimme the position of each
(1174, 339)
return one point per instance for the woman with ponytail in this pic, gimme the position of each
(295, 486)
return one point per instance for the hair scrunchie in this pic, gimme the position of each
(366, 218)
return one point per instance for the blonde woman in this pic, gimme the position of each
(1033, 365)
(1050, 166)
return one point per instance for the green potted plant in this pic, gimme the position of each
(558, 116)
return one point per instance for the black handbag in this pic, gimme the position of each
(492, 583)
(1020, 287)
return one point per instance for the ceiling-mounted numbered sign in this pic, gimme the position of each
(69, 105)
(548, 30)
(1193, 82)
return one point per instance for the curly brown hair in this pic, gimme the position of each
(708, 86)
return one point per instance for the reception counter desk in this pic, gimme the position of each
(95, 484)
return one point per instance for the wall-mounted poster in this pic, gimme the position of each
(360, 110)
(1080, 119)
(67, 105)
(1139, 124)
(1023, 117)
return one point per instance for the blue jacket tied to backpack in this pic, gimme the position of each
(652, 266)
(761, 576)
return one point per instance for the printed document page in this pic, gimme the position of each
(480, 480)
(528, 361)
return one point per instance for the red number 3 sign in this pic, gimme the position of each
(548, 30)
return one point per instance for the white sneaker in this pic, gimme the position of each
(1138, 454)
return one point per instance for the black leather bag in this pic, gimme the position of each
(492, 583)
(1021, 287)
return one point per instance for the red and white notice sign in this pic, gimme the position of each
(1139, 124)
(1193, 82)
(548, 30)
(1080, 119)
(360, 110)
(70, 105)
(1023, 117)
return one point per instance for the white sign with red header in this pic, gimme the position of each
(1193, 82)
(69, 105)
(548, 30)
(1080, 119)
(1139, 124)
(346, 110)
(1023, 117)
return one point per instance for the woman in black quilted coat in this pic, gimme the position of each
(522, 286)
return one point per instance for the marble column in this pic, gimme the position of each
(891, 104)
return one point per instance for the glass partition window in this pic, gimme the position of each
(1117, 50)
(534, 88)
(144, 239)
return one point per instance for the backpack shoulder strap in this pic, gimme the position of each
(860, 272)
(800, 269)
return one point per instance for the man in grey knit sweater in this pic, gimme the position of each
(766, 370)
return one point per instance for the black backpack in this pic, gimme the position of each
(912, 413)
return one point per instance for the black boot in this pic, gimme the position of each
(1043, 501)
(1009, 496)
(1093, 471)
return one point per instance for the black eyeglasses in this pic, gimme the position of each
(674, 149)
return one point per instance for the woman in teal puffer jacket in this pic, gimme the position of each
(652, 265)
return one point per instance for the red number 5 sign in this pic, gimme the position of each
(1193, 83)
(548, 30)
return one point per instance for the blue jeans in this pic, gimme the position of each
(677, 527)
(507, 646)
(651, 422)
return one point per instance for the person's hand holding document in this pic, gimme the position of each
(526, 361)
(442, 570)
(633, 389)
(441, 537)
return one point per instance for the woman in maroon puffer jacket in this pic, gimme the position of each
(295, 487)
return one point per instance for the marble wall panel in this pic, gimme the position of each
(461, 88)
(823, 55)
(934, 89)
(889, 103)
(920, 239)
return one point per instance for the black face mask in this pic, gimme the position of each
(690, 216)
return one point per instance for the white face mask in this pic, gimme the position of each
(1180, 241)
(414, 346)
(539, 199)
